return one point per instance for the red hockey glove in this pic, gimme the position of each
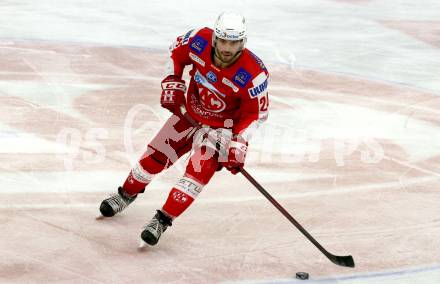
(173, 93)
(236, 154)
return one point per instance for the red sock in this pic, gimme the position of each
(181, 196)
(137, 180)
(177, 203)
(132, 186)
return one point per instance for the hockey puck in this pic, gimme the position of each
(302, 275)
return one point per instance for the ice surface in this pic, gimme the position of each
(350, 148)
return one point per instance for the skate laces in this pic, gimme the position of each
(119, 202)
(158, 224)
(155, 225)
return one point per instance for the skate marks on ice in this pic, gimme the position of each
(231, 233)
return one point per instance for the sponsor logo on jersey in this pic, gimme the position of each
(211, 77)
(198, 44)
(186, 37)
(242, 77)
(199, 78)
(197, 59)
(255, 91)
(230, 84)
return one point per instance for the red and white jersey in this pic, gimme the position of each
(238, 92)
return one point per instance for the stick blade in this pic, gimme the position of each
(346, 261)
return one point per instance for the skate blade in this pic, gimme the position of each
(142, 245)
(99, 217)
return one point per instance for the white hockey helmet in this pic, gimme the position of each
(230, 26)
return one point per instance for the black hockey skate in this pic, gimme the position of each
(116, 203)
(153, 230)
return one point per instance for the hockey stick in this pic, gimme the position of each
(339, 260)
(346, 261)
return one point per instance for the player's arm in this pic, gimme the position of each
(179, 55)
(254, 107)
(253, 111)
(173, 86)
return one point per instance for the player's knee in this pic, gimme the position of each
(154, 161)
(202, 167)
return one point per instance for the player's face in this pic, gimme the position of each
(227, 49)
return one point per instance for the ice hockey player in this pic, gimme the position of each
(227, 95)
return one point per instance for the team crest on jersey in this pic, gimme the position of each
(210, 97)
(198, 44)
(242, 77)
(211, 101)
(211, 77)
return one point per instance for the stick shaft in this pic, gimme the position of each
(339, 260)
(283, 211)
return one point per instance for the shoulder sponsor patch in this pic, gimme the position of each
(260, 85)
(198, 44)
(196, 59)
(242, 77)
